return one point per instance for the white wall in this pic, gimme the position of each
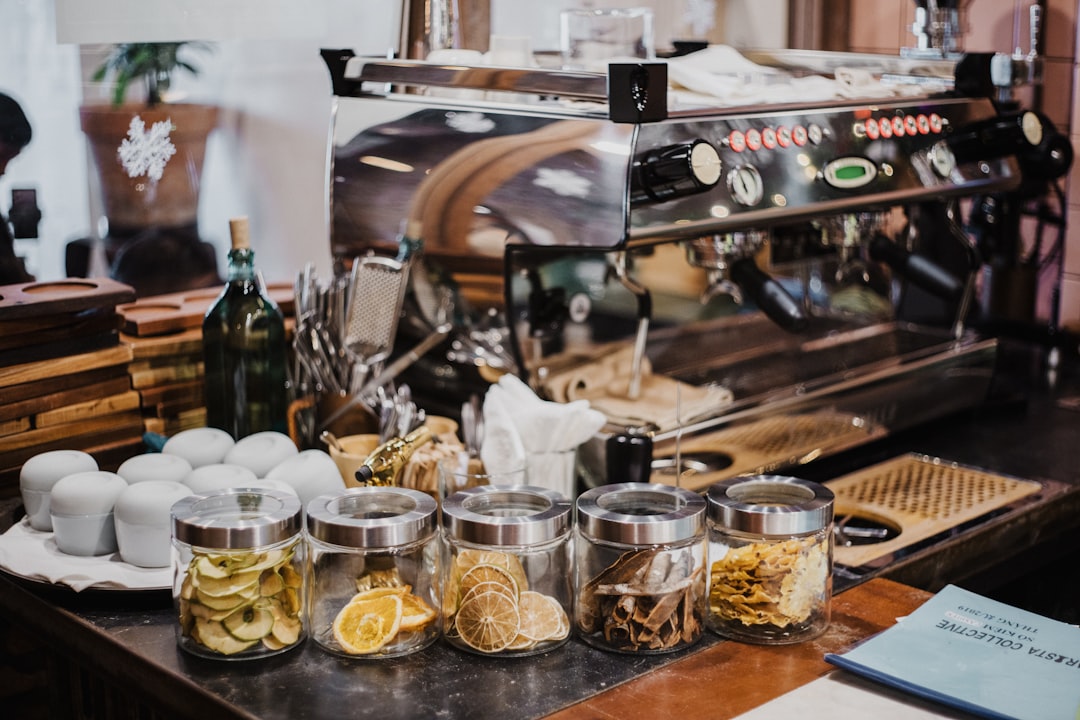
(266, 160)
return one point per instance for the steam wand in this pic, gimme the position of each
(644, 312)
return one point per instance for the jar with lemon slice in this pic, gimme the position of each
(375, 572)
(507, 588)
(238, 568)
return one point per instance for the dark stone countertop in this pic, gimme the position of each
(1023, 430)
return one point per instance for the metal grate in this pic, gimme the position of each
(770, 443)
(921, 497)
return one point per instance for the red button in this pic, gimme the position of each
(910, 125)
(872, 130)
(924, 124)
(783, 136)
(898, 126)
(768, 138)
(798, 134)
(737, 141)
(753, 139)
(885, 126)
(935, 123)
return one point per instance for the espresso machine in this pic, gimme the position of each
(738, 287)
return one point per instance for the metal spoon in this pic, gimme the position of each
(331, 439)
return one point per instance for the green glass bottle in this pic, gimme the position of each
(244, 349)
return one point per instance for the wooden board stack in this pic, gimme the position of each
(164, 335)
(64, 380)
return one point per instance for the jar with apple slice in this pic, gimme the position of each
(238, 580)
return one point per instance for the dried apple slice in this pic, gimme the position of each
(249, 623)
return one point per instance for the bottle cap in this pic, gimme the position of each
(238, 230)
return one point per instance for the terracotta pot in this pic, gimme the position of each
(134, 203)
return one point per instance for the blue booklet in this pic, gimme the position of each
(979, 655)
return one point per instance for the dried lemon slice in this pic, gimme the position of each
(469, 558)
(488, 573)
(365, 626)
(488, 621)
(541, 617)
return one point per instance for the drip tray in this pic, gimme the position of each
(887, 508)
(761, 446)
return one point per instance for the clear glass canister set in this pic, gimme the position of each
(378, 572)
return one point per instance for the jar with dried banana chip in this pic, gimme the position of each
(376, 572)
(238, 573)
(507, 583)
(640, 572)
(770, 555)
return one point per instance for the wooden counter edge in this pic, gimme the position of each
(731, 678)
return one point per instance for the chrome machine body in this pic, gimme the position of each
(587, 230)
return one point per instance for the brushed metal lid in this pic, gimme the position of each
(505, 516)
(372, 517)
(236, 518)
(641, 513)
(770, 505)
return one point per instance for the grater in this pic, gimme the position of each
(371, 320)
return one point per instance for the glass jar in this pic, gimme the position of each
(238, 581)
(375, 572)
(508, 585)
(640, 568)
(770, 549)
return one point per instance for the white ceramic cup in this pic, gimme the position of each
(311, 473)
(38, 476)
(260, 452)
(200, 446)
(81, 508)
(218, 477)
(144, 524)
(154, 466)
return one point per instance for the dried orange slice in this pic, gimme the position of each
(378, 592)
(541, 616)
(488, 621)
(365, 626)
(415, 613)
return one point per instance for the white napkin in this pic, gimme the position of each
(521, 429)
(720, 75)
(33, 554)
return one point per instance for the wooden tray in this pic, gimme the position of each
(63, 296)
(162, 314)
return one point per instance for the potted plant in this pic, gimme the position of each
(149, 156)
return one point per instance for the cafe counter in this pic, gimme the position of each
(104, 653)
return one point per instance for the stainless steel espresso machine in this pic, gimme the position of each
(738, 287)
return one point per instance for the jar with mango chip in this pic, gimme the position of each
(507, 589)
(770, 559)
(375, 572)
(238, 573)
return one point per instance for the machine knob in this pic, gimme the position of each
(1011, 134)
(942, 159)
(676, 171)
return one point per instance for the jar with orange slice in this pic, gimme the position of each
(376, 572)
(507, 588)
